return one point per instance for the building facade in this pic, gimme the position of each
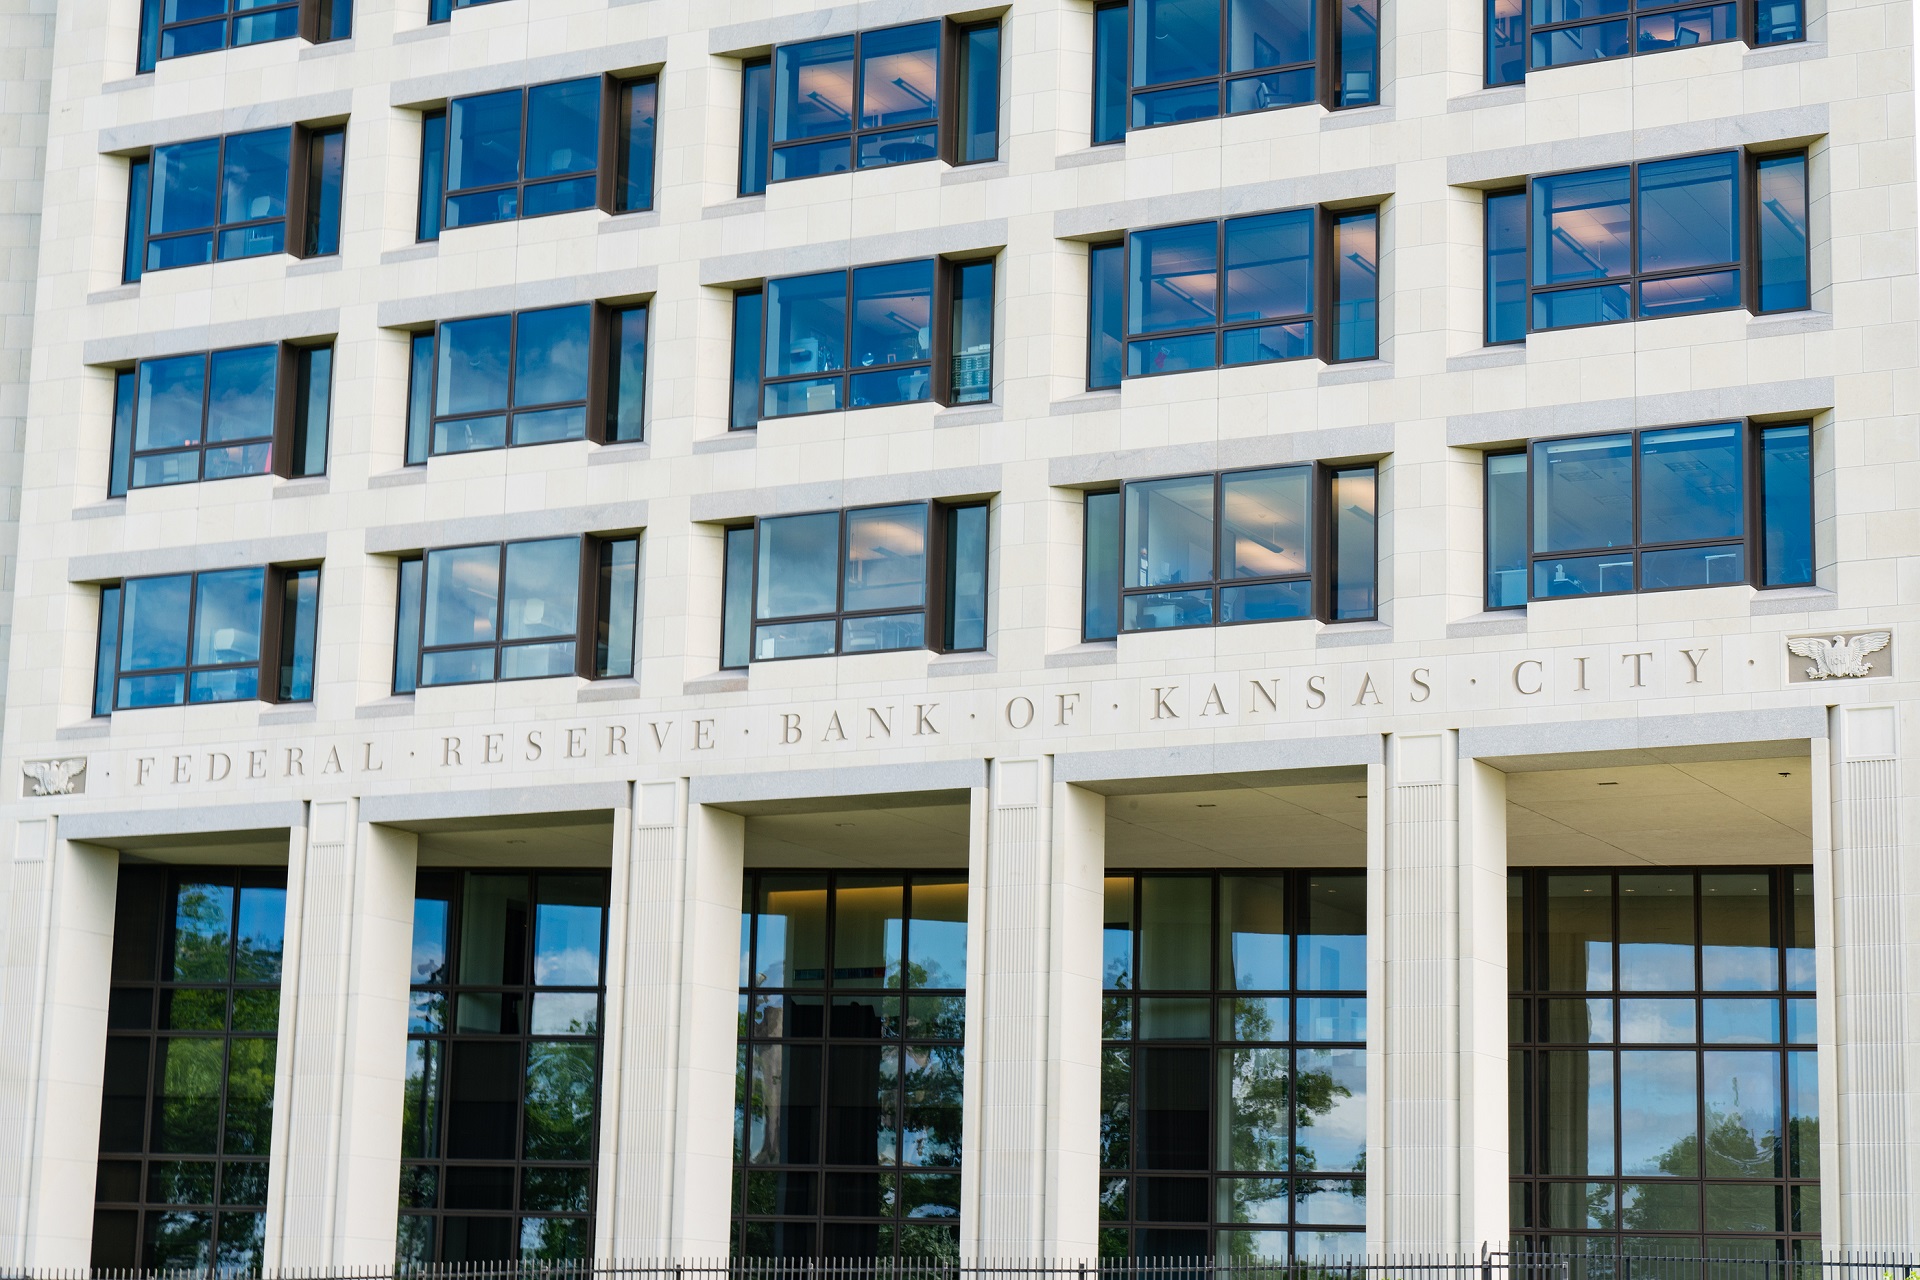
(1241, 628)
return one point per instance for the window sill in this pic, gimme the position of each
(328, 49)
(1774, 55)
(1493, 622)
(1501, 96)
(968, 415)
(107, 510)
(316, 266)
(120, 294)
(1340, 375)
(638, 220)
(400, 704)
(412, 253)
(983, 171)
(1357, 117)
(735, 207)
(142, 81)
(744, 439)
(614, 690)
(1088, 402)
(1785, 322)
(1793, 600)
(608, 455)
(1504, 356)
(98, 727)
(943, 665)
(433, 30)
(1343, 635)
(1092, 653)
(304, 487)
(1099, 153)
(397, 479)
(718, 682)
(303, 714)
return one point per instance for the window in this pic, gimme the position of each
(1199, 59)
(1704, 506)
(1240, 546)
(1664, 1081)
(1233, 1081)
(217, 414)
(1657, 238)
(857, 581)
(526, 153)
(890, 334)
(500, 1107)
(442, 10)
(515, 611)
(186, 1108)
(1537, 34)
(851, 1049)
(799, 109)
(170, 29)
(235, 197)
(229, 635)
(528, 377)
(1240, 291)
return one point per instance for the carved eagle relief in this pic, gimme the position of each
(54, 777)
(1841, 656)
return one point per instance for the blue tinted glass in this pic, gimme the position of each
(811, 159)
(474, 362)
(1691, 484)
(1682, 295)
(1266, 342)
(1359, 53)
(202, 37)
(226, 623)
(899, 75)
(258, 28)
(1718, 565)
(1267, 33)
(186, 182)
(323, 213)
(1782, 221)
(1169, 532)
(1689, 212)
(799, 566)
(563, 128)
(980, 87)
(1683, 28)
(541, 594)
(299, 625)
(746, 361)
(566, 931)
(1269, 266)
(149, 35)
(1582, 229)
(1106, 321)
(171, 400)
(966, 578)
(813, 89)
(1272, 89)
(124, 399)
(551, 355)
(105, 651)
(198, 951)
(1172, 355)
(737, 612)
(462, 594)
(626, 401)
(1355, 547)
(1506, 499)
(756, 119)
(1584, 575)
(1779, 21)
(1110, 73)
(419, 397)
(1786, 482)
(139, 173)
(433, 173)
(1582, 493)
(483, 140)
(1175, 40)
(259, 934)
(406, 648)
(1164, 610)
(153, 629)
(1356, 286)
(560, 196)
(1170, 106)
(1265, 523)
(937, 933)
(313, 412)
(1569, 45)
(900, 146)
(892, 314)
(1506, 42)
(1175, 278)
(1506, 282)
(1333, 948)
(638, 104)
(619, 584)
(253, 182)
(1565, 308)
(1100, 616)
(806, 324)
(240, 397)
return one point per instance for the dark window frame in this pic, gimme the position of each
(1320, 575)
(1752, 541)
(1746, 31)
(1530, 1033)
(590, 612)
(316, 22)
(1298, 882)
(451, 882)
(269, 686)
(439, 11)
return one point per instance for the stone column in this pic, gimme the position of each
(335, 1172)
(1871, 1165)
(1486, 1212)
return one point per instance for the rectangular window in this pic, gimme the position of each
(186, 1108)
(1245, 291)
(169, 29)
(1199, 59)
(872, 99)
(235, 197)
(851, 1065)
(634, 145)
(1663, 1064)
(1559, 33)
(1506, 282)
(1100, 585)
(229, 635)
(501, 1097)
(1658, 238)
(1239, 546)
(218, 414)
(1233, 1083)
(1650, 510)
(442, 10)
(1106, 315)
(528, 377)
(517, 611)
(871, 336)
(433, 174)
(857, 581)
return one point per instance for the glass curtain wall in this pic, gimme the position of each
(186, 1109)
(1665, 1091)
(1233, 1073)
(499, 1137)
(848, 1097)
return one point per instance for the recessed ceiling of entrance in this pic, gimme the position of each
(1321, 824)
(544, 840)
(1720, 811)
(933, 835)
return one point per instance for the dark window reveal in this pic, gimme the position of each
(852, 1061)
(1713, 505)
(528, 377)
(872, 99)
(1659, 238)
(517, 611)
(1270, 286)
(548, 148)
(1165, 61)
(1240, 546)
(867, 580)
(228, 635)
(1233, 1079)
(888, 334)
(499, 1138)
(186, 1108)
(1537, 34)
(240, 196)
(442, 10)
(240, 412)
(177, 28)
